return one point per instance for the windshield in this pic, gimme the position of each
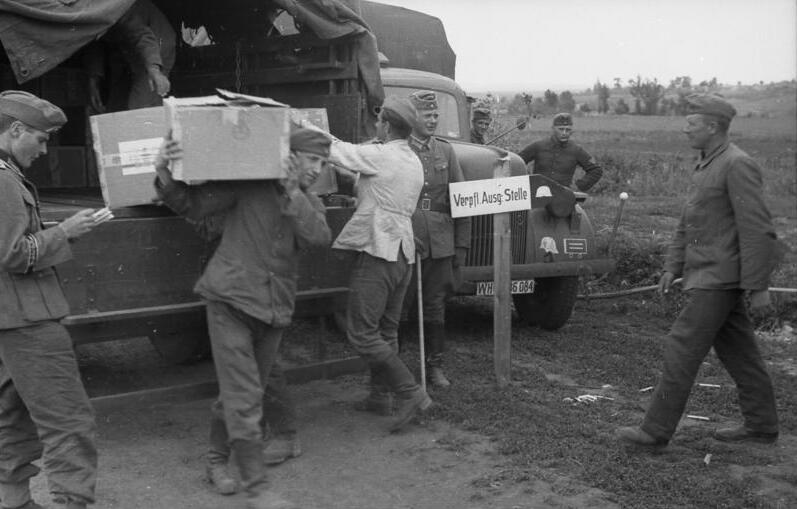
(447, 104)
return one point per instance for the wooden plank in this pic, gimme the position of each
(209, 388)
(185, 307)
(502, 308)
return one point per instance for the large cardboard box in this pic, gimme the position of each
(235, 137)
(125, 146)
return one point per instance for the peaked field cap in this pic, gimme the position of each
(310, 140)
(401, 106)
(31, 110)
(481, 114)
(563, 119)
(424, 100)
(710, 104)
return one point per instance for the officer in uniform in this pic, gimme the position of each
(44, 410)
(480, 123)
(441, 241)
(557, 157)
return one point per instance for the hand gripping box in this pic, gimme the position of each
(229, 137)
(125, 145)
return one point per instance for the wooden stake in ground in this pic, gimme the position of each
(421, 347)
(502, 308)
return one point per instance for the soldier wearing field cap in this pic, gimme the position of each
(724, 249)
(480, 123)
(557, 158)
(380, 233)
(44, 410)
(441, 242)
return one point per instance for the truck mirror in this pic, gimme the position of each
(521, 122)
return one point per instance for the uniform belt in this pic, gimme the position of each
(426, 204)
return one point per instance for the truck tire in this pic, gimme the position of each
(185, 347)
(551, 304)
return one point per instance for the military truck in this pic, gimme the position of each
(133, 276)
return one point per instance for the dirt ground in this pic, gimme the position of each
(153, 458)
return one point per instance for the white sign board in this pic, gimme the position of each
(489, 196)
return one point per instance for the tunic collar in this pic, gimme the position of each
(9, 160)
(420, 144)
(705, 159)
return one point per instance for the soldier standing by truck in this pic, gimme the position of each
(557, 157)
(44, 410)
(441, 242)
(249, 285)
(480, 123)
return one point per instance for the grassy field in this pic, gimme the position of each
(648, 158)
(614, 348)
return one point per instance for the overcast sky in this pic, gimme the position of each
(509, 45)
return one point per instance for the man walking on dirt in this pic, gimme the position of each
(380, 232)
(557, 158)
(44, 410)
(441, 242)
(249, 285)
(724, 248)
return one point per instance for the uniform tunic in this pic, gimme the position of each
(41, 393)
(724, 244)
(558, 161)
(436, 232)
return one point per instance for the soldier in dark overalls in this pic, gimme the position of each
(44, 410)
(441, 242)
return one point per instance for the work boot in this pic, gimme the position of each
(741, 434)
(636, 436)
(436, 378)
(412, 399)
(216, 468)
(409, 408)
(249, 457)
(435, 340)
(281, 448)
(379, 400)
(17, 495)
(218, 474)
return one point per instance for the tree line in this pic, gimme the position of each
(647, 97)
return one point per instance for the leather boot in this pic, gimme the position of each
(282, 447)
(412, 399)
(249, 457)
(435, 346)
(216, 467)
(380, 399)
(17, 494)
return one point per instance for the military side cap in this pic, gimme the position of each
(31, 110)
(481, 114)
(401, 106)
(310, 140)
(710, 104)
(563, 119)
(424, 100)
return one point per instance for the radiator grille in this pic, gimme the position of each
(481, 251)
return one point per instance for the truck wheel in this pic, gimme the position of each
(182, 347)
(551, 304)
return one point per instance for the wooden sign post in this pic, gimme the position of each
(497, 196)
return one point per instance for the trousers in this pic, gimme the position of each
(712, 318)
(45, 412)
(244, 352)
(376, 294)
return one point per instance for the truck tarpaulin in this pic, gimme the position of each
(40, 34)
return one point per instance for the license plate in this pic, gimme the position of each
(518, 286)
